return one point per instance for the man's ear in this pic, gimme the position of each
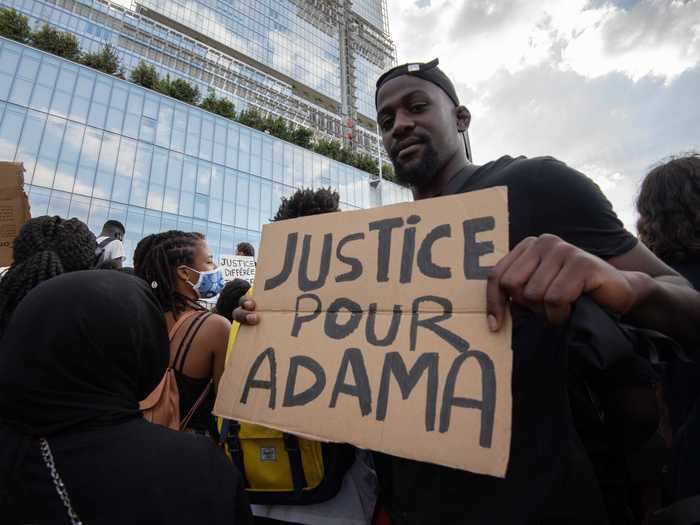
(464, 118)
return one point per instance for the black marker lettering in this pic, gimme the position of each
(487, 404)
(299, 320)
(384, 244)
(408, 250)
(303, 398)
(370, 327)
(459, 344)
(270, 385)
(360, 389)
(306, 284)
(289, 253)
(355, 264)
(425, 253)
(394, 365)
(473, 250)
(340, 331)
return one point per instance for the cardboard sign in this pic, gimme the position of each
(237, 267)
(14, 207)
(373, 331)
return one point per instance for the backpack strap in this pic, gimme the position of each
(186, 343)
(104, 242)
(291, 445)
(185, 338)
(193, 409)
(229, 436)
(184, 317)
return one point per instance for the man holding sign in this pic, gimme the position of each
(565, 242)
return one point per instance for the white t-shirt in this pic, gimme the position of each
(113, 250)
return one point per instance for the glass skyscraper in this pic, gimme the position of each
(312, 62)
(97, 147)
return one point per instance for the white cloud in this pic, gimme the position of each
(610, 87)
(652, 37)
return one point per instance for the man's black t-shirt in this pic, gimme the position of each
(547, 196)
(549, 479)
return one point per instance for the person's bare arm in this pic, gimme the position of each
(666, 301)
(217, 330)
(548, 274)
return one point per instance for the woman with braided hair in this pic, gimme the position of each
(178, 267)
(45, 247)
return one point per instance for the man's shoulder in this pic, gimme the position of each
(521, 165)
(545, 172)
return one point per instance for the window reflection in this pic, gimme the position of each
(96, 148)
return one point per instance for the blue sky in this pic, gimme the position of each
(609, 87)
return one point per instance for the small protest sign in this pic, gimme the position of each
(237, 267)
(373, 331)
(14, 207)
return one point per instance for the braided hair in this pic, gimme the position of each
(156, 260)
(45, 247)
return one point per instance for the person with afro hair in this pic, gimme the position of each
(44, 248)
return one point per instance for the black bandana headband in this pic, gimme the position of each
(427, 71)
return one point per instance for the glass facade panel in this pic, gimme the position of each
(370, 10)
(97, 148)
(279, 34)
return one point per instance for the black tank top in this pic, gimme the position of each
(191, 388)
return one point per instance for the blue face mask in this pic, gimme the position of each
(210, 283)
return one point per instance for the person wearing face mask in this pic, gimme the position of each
(178, 267)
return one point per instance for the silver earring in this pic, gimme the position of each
(154, 285)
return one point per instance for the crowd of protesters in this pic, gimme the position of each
(84, 342)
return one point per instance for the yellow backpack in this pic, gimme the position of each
(281, 468)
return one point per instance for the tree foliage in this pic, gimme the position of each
(14, 25)
(302, 137)
(59, 43)
(219, 105)
(105, 60)
(183, 90)
(145, 75)
(251, 117)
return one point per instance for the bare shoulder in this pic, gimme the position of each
(216, 330)
(216, 323)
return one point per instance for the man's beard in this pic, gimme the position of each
(420, 173)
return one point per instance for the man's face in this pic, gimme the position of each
(419, 128)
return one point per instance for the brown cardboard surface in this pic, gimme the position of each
(14, 207)
(326, 358)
